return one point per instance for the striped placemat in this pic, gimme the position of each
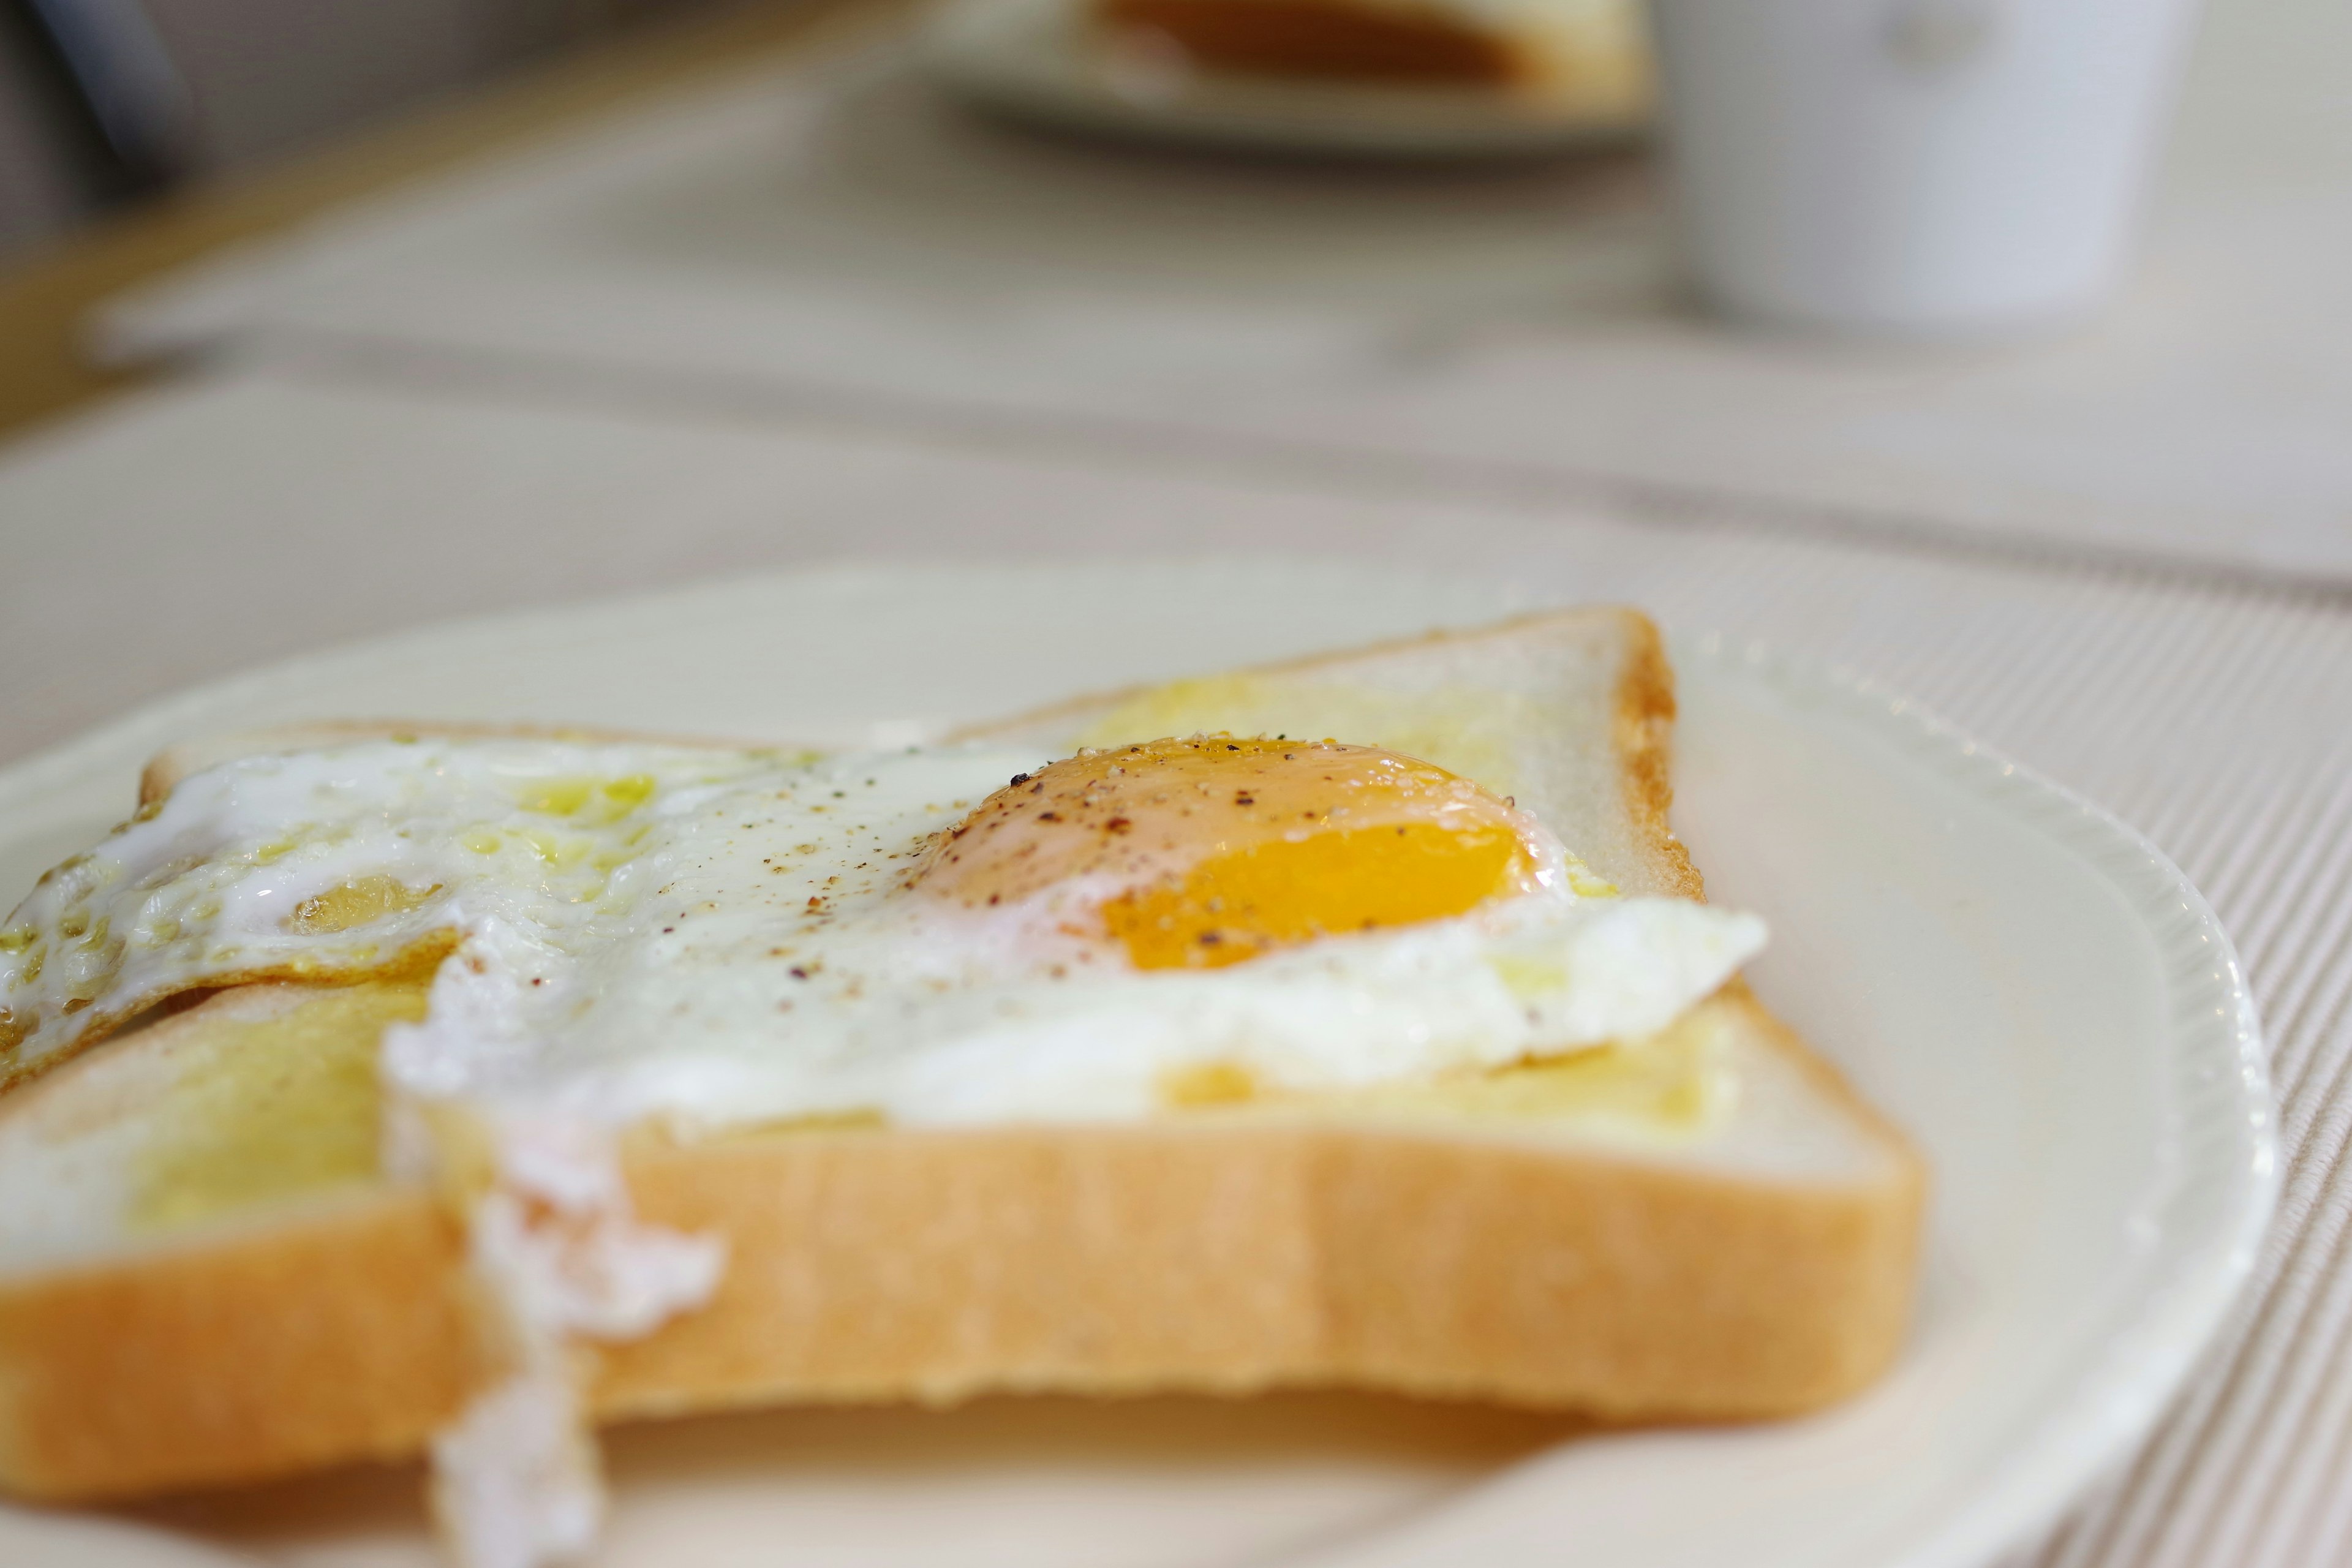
(2219, 722)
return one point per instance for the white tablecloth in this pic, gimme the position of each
(189, 533)
(832, 235)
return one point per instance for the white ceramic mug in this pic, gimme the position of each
(1920, 167)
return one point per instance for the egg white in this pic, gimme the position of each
(719, 938)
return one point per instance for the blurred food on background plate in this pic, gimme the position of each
(1593, 51)
(1415, 80)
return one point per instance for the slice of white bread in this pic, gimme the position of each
(215, 1285)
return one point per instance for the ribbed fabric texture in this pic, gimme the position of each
(2219, 723)
(2217, 719)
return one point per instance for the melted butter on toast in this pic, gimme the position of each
(281, 1107)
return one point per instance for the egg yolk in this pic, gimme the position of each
(1206, 851)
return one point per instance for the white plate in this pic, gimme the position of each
(2025, 985)
(1034, 60)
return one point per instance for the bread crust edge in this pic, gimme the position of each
(935, 1266)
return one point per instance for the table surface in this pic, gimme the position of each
(2261, 105)
(182, 529)
(833, 231)
(47, 369)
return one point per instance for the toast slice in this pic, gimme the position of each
(1588, 53)
(220, 1285)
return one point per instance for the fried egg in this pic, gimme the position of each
(931, 936)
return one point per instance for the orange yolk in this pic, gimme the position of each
(1203, 852)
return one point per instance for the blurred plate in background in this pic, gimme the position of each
(1037, 62)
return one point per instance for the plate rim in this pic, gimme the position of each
(2213, 1022)
(2151, 1351)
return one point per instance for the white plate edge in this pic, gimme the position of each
(2151, 1353)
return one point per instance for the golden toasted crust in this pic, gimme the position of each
(334, 1335)
(1202, 1254)
(1236, 1256)
(1644, 738)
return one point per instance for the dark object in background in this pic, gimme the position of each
(121, 109)
(102, 101)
